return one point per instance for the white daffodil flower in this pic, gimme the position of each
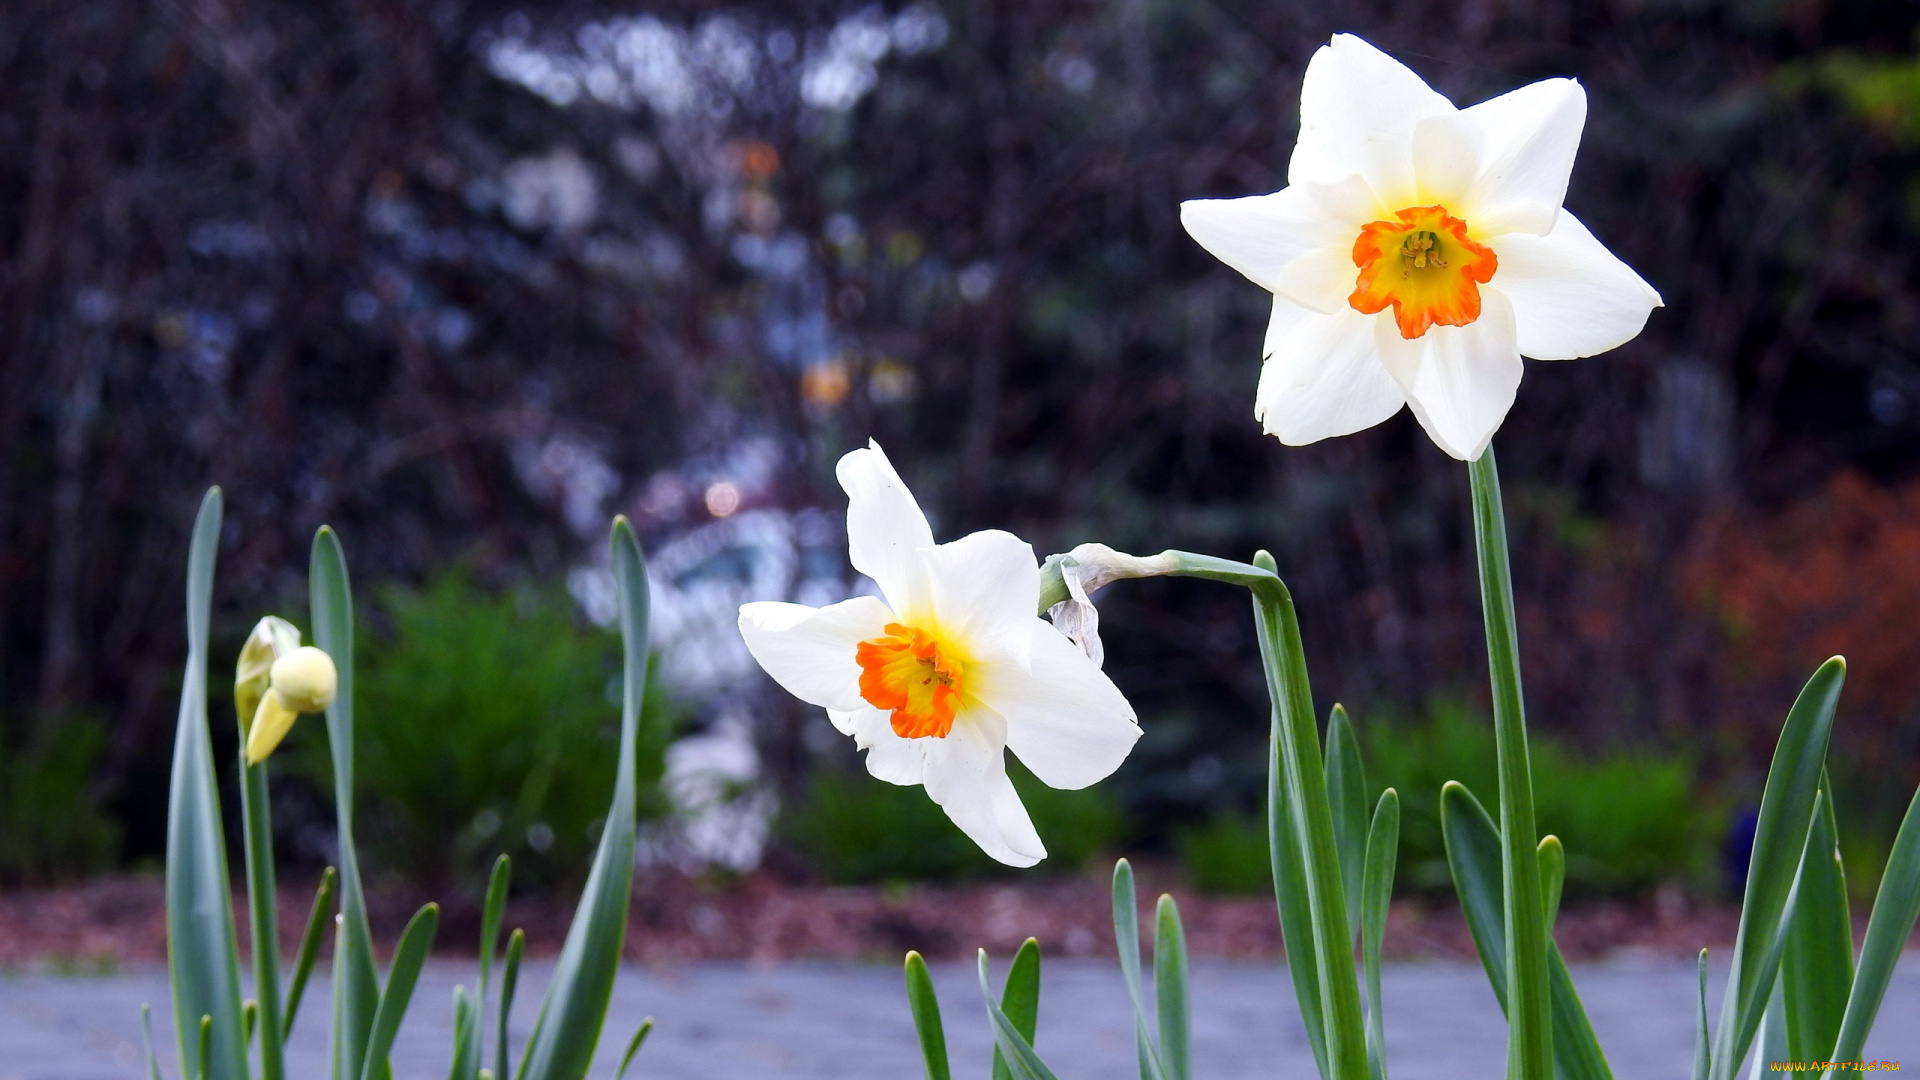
(948, 668)
(1418, 252)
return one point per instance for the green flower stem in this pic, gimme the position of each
(1304, 774)
(1299, 785)
(257, 825)
(1530, 1034)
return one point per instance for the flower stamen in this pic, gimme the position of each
(908, 672)
(1441, 270)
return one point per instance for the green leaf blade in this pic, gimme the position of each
(1787, 809)
(1474, 858)
(202, 956)
(1021, 1059)
(1895, 909)
(409, 956)
(356, 982)
(1126, 937)
(1171, 1003)
(1347, 796)
(1020, 1000)
(575, 1007)
(924, 1005)
(1376, 896)
(1816, 967)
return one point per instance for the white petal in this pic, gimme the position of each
(1260, 234)
(1323, 376)
(889, 757)
(986, 588)
(1460, 380)
(885, 528)
(1321, 280)
(1571, 296)
(1065, 719)
(966, 773)
(1358, 107)
(1528, 139)
(1446, 159)
(810, 651)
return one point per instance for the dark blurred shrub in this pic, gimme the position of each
(1227, 855)
(488, 722)
(51, 824)
(852, 829)
(1630, 819)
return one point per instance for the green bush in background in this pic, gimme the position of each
(1630, 819)
(485, 724)
(51, 823)
(852, 829)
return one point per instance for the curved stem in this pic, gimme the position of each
(1530, 1035)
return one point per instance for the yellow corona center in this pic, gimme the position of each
(1425, 266)
(907, 671)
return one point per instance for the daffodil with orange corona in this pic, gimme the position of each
(948, 668)
(1418, 252)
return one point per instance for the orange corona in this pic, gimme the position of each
(1424, 264)
(906, 672)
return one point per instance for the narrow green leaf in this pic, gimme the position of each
(1530, 1025)
(1020, 1000)
(464, 1066)
(1376, 894)
(633, 1047)
(356, 983)
(1780, 838)
(1473, 855)
(249, 1018)
(206, 1038)
(202, 959)
(1771, 1040)
(1702, 1052)
(492, 912)
(575, 1006)
(1021, 1060)
(416, 941)
(1553, 876)
(925, 1007)
(1290, 895)
(1303, 770)
(317, 919)
(146, 1040)
(1126, 937)
(1171, 1004)
(1894, 912)
(1347, 794)
(509, 981)
(1816, 967)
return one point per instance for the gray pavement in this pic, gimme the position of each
(849, 1022)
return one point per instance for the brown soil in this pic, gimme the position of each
(761, 918)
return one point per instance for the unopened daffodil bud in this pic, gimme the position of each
(272, 638)
(305, 679)
(275, 681)
(1080, 573)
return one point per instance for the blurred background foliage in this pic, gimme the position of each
(486, 722)
(465, 278)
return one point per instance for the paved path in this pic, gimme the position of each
(849, 1022)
